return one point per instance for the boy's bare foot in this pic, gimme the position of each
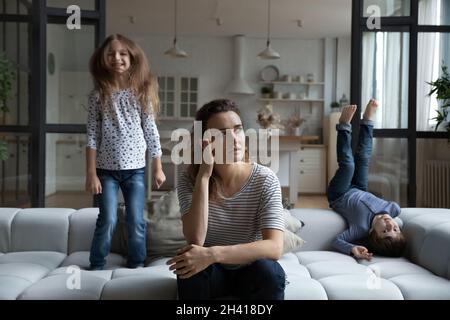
(371, 110)
(347, 114)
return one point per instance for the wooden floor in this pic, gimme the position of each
(78, 200)
(312, 201)
(75, 200)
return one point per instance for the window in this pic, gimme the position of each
(178, 96)
(388, 8)
(393, 63)
(432, 53)
(434, 12)
(385, 76)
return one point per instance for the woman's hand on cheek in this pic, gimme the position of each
(191, 260)
(207, 165)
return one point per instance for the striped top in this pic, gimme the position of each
(241, 218)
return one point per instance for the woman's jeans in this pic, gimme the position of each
(353, 172)
(262, 280)
(131, 182)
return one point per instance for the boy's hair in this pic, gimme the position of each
(141, 81)
(388, 246)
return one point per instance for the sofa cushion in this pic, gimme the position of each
(27, 271)
(49, 260)
(56, 287)
(81, 259)
(360, 287)
(20, 270)
(393, 268)
(12, 287)
(323, 269)
(423, 287)
(102, 274)
(306, 258)
(299, 285)
(303, 288)
(16, 277)
(40, 230)
(150, 283)
(6, 218)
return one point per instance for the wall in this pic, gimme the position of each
(212, 60)
(343, 67)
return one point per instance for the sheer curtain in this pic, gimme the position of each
(427, 65)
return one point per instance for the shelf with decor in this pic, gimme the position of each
(291, 100)
(292, 83)
(291, 91)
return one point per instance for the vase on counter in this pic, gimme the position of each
(298, 131)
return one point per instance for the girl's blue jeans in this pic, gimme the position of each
(353, 171)
(132, 184)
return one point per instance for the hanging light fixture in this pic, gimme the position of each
(268, 53)
(175, 52)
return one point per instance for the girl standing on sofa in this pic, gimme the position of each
(120, 129)
(232, 219)
(366, 214)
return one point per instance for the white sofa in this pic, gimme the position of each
(38, 245)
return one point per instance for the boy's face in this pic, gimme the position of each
(117, 58)
(385, 226)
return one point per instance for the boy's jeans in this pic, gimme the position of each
(352, 172)
(131, 182)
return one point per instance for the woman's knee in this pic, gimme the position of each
(271, 273)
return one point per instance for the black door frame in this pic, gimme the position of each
(40, 16)
(359, 25)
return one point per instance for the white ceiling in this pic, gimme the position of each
(321, 18)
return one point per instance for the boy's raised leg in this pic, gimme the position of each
(341, 181)
(364, 150)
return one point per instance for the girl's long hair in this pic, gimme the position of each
(141, 81)
(203, 115)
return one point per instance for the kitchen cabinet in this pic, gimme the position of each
(178, 97)
(312, 169)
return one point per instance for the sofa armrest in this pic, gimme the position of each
(427, 232)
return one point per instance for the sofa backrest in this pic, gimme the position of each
(81, 231)
(48, 229)
(321, 227)
(43, 229)
(426, 230)
(6, 218)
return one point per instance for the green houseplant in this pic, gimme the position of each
(441, 87)
(6, 78)
(335, 106)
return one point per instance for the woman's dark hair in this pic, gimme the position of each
(203, 115)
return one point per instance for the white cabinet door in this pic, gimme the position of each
(312, 170)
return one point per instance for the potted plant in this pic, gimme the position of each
(266, 92)
(6, 78)
(295, 124)
(335, 106)
(442, 89)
